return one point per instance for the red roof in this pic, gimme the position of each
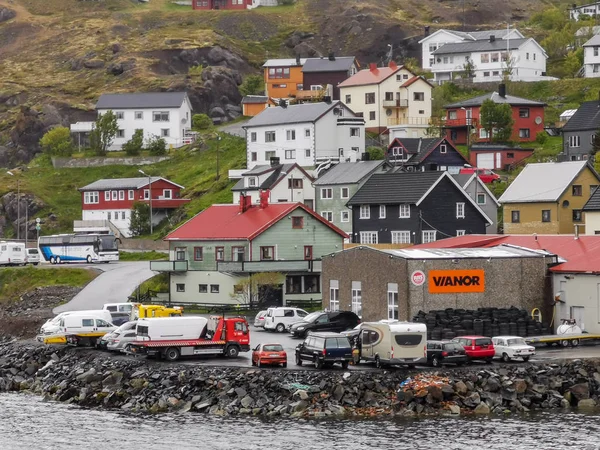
(368, 76)
(413, 79)
(582, 254)
(226, 222)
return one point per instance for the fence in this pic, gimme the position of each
(305, 304)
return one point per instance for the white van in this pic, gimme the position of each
(12, 253)
(170, 328)
(53, 326)
(32, 256)
(120, 307)
(391, 342)
(282, 317)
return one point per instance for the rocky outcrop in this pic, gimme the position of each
(7, 14)
(20, 213)
(94, 379)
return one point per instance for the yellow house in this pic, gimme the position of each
(548, 198)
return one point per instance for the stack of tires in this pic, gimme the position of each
(449, 323)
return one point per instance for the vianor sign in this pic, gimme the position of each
(456, 281)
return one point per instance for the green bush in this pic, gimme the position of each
(541, 138)
(375, 153)
(134, 146)
(57, 142)
(201, 122)
(253, 85)
(156, 146)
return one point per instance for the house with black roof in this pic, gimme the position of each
(317, 73)
(414, 208)
(421, 154)
(580, 132)
(591, 213)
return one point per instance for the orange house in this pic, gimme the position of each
(255, 104)
(283, 77)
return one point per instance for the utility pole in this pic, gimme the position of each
(149, 195)
(218, 140)
(18, 204)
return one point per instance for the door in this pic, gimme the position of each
(498, 161)
(322, 323)
(578, 313)
(485, 160)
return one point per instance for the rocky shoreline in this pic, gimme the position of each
(92, 379)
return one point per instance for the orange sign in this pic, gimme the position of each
(456, 281)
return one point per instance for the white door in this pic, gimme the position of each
(577, 313)
(485, 160)
(498, 161)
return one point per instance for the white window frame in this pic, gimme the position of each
(443, 148)
(482, 196)
(400, 237)
(160, 116)
(460, 232)
(369, 237)
(392, 297)
(113, 195)
(252, 182)
(120, 134)
(460, 210)
(138, 115)
(326, 193)
(130, 194)
(121, 195)
(382, 211)
(574, 141)
(167, 194)
(107, 196)
(307, 132)
(119, 115)
(165, 132)
(334, 295)
(327, 215)
(342, 192)
(345, 216)
(404, 211)
(357, 298)
(91, 198)
(428, 236)
(290, 154)
(290, 135)
(146, 194)
(365, 211)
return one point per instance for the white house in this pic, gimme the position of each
(167, 115)
(284, 182)
(590, 9)
(591, 57)
(432, 42)
(390, 97)
(489, 59)
(308, 134)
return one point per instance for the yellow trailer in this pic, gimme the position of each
(562, 340)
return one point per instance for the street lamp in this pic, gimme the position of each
(150, 195)
(18, 204)
(218, 140)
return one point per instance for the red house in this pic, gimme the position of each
(498, 157)
(528, 116)
(109, 202)
(221, 4)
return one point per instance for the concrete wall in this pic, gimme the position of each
(144, 244)
(68, 163)
(580, 290)
(191, 281)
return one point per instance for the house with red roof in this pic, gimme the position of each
(391, 98)
(219, 248)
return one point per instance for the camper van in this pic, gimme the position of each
(53, 325)
(12, 253)
(78, 329)
(391, 342)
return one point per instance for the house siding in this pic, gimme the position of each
(585, 146)
(490, 208)
(274, 86)
(325, 78)
(592, 222)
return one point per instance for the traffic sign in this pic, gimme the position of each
(38, 220)
(38, 228)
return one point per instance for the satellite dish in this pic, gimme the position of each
(538, 120)
(184, 120)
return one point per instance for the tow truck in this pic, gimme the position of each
(568, 334)
(173, 337)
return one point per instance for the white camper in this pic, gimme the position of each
(171, 328)
(391, 342)
(78, 329)
(12, 253)
(53, 325)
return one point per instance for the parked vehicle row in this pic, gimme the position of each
(15, 254)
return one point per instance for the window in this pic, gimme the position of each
(504, 56)
(523, 112)
(428, 236)
(545, 215)
(334, 295)
(446, 60)
(486, 74)
(269, 136)
(214, 288)
(404, 211)
(443, 148)
(574, 141)
(139, 115)
(460, 210)
(119, 115)
(237, 254)
(91, 197)
(460, 232)
(527, 55)
(307, 132)
(146, 194)
(372, 115)
(290, 154)
(510, 155)
(368, 237)
(577, 216)
(307, 152)
(419, 96)
(297, 222)
(357, 298)
(452, 115)
(253, 136)
(344, 192)
(198, 254)
(165, 132)
(365, 212)
(113, 195)
(593, 187)
(253, 156)
(524, 132)
(345, 216)
(120, 133)
(121, 195)
(203, 288)
(389, 96)
(180, 253)
(180, 287)
(577, 190)
(485, 57)
(400, 237)
(326, 193)
(327, 215)
(160, 116)
(109, 215)
(432, 48)
(495, 57)
(354, 132)
(595, 51)
(382, 211)
(295, 183)
(269, 155)
(279, 72)
(392, 295)
(308, 252)
(290, 135)
(267, 253)
(495, 73)
(481, 199)
(370, 98)
(130, 194)
(515, 216)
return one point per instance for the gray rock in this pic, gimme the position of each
(247, 401)
(482, 408)
(337, 410)
(460, 388)
(454, 409)
(580, 391)
(299, 406)
(7, 14)
(302, 394)
(586, 403)
(202, 406)
(240, 392)
(87, 376)
(338, 392)
(472, 400)
(93, 64)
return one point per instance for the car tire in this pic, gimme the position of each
(280, 328)
(525, 358)
(259, 364)
(252, 362)
(52, 260)
(35, 264)
(435, 362)
(344, 365)
(89, 259)
(284, 365)
(378, 363)
(171, 354)
(505, 357)
(298, 360)
(564, 343)
(574, 342)
(318, 363)
(232, 351)
(58, 260)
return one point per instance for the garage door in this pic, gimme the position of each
(485, 161)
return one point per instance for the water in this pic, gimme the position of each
(28, 423)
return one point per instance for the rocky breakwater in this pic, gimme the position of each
(94, 379)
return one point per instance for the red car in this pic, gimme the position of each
(485, 175)
(477, 347)
(269, 355)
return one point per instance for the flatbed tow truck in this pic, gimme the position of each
(567, 335)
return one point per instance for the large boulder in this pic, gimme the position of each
(7, 14)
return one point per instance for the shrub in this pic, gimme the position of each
(156, 146)
(57, 142)
(201, 122)
(252, 85)
(541, 138)
(134, 146)
(375, 153)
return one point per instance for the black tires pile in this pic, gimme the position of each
(450, 323)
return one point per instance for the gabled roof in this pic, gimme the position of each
(593, 204)
(477, 35)
(284, 62)
(583, 6)
(367, 76)
(226, 222)
(339, 64)
(480, 46)
(465, 180)
(580, 254)
(496, 98)
(348, 172)
(460, 34)
(141, 100)
(301, 113)
(421, 148)
(587, 117)
(278, 173)
(255, 99)
(122, 183)
(414, 79)
(543, 182)
(595, 40)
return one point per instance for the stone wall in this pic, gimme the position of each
(98, 161)
(144, 245)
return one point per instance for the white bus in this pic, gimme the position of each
(12, 253)
(88, 248)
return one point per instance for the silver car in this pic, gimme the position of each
(259, 320)
(117, 340)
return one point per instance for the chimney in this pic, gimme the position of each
(331, 56)
(298, 60)
(373, 67)
(492, 38)
(245, 202)
(264, 198)
(426, 33)
(576, 231)
(274, 161)
(502, 90)
(393, 65)
(327, 99)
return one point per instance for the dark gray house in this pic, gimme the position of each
(580, 131)
(317, 73)
(413, 208)
(421, 154)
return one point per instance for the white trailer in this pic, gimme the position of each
(170, 328)
(12, 253)
(391, 342)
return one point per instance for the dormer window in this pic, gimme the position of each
(252, 181)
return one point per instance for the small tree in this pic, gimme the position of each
(156, 146)
(135, 145)
(496, 119)
(254, 289)
(201, 122)
(139, 222)
(468, 71)
(252, 85)
(375, 153)
(104, 132)
(57, 142)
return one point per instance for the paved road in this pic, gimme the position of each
(114, 285)
(235, 129)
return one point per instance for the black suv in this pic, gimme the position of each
(335, 321)
(324, 349)
(445, 352)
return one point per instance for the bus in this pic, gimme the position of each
(90, 248)
(12, 253)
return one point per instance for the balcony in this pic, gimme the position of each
(269, 266)
(166, 203)
(169, 266)
(453, 123)
(310, 95)
(409, 121)
(401, 103)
